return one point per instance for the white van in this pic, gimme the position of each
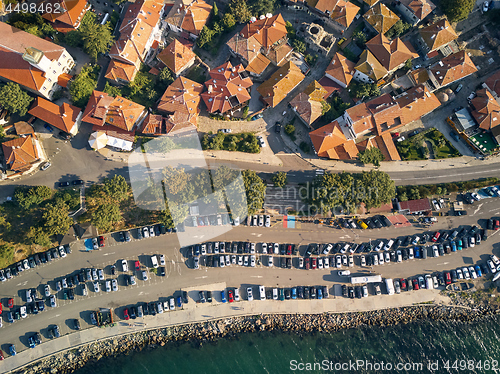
(389, 245)
(154, 261)
(379, 246)
(390, 286)
(429, 284)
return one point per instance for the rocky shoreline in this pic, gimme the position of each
(211, 331)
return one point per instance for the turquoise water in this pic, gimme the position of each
(412, 344)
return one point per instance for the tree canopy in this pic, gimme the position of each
(280, 179)
(82, 86)
(96, 38)
(255, 190)
(240, 11)
(14, 99)
(457, 10)
(371, 156)
(360, 90)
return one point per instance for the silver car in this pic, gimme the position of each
(152, 231)
(252, 261)
(172, 303)
(46, 289)
(53, 302)
(144, 275)
(101, 274)
(96, 286)
(108, 285)
(114, 284)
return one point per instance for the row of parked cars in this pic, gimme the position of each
(34, 261)
(375, 222)
(155, 307)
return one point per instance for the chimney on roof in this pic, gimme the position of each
(64, 114)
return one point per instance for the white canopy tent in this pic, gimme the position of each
(98, 140)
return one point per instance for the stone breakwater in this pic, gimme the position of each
(211, 331)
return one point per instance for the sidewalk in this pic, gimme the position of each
(196, 312)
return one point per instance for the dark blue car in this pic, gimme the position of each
(478, 271)
(179, 302)
(223, 296)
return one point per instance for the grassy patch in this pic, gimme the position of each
(414, 148)
(197, 74)
(242, 142)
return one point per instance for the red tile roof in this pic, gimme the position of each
(453, 68)
(421, 8)
(177, 55)
(438, 34)
(184, 96)
(415, 206)
(62, 117)
(307, 104)
(190, 16)
(326, 138)
(391, 54)
(344, 13)
(119, 70)
(493, 83)
(417, 102)
(387, 147)
(381, 18)
(341, 69)
(266, 31)
(20, 153)
(70, 15)
(487, 110)
(279, 85)
(227, 88)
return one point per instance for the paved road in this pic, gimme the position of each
(180, 276)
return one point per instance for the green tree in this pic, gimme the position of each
(259, 7)
(399, 28)
(82, 86)
(74, 39)
(299, 45)
(360, 37)
(96, 38)
(408, 64)
(6, 253)
(360, 90)
(371, 156)
(205, 36)
(33, 196)
(38, 236)
(175, 180)
(290, 30)
(457, 10)
(280, 179)
(215, 10)
(56, 220)
(240, 11)
(228, 21)
(255, 190)
(2, 133)
(377, 189)
(325, 107)
(162, 144)
(290, 129)
(166, 77)
(112, 90)
(217, 141)
(105, 216)
(116, 189)
(403, 197)
(14, 99)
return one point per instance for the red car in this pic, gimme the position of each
(137, 265)
(436, 236)
(447, 277)
(314, 262)
(230, 295)
(1, 355)
(125, 314)
(10, 303)
(415, 284)
(308, 263)
(101, 241)
(402, 282)
(496, 225)
(289, 249)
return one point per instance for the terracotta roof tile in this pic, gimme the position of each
(381, 18)
(344, 13)
(266, 31)
(189, 16)
(307, 104)
(453, 68)
(371, 2)
(278, 55)
(183, 95)
(326, 138)
(116, 132)
(249, 48)
(152, 124)
(370, 66)
(421, 8)
(387, 147)
(341, 69)
(493, 82)
(258, 64)
(71, 15)
(180, 123)
(417, 102)
(62, 117)
(119, 70)
(438, 34)
(391, 54)
(487, 110)
(20, 153)
(177, 55)
(279, 85)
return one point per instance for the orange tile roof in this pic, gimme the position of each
(381, 18)
(325, 6)
(180, 123)
(279, 85)
(258, 64)
(115, 132)
(307, 104)
(278, 55)
(64, 79)
(370, 66)
(391, 54)
(23, 128)
(371, 2)
(493, 82)
(386, 145)
(189, 16)
(248, 49)
(341, 69)
(266, 31)
(417, 102)
(184, 96)
(118, 70)
(344, 13)
(487, 110)
(20, 153)
(118, 112)
(153, 124)
(438, 34)
(177, 55)
(136, 28)
(453, 68)
(227, 88)
(70, 16)
(326, 138)
(62, 117)
(421, 8)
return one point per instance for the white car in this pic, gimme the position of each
(254, 220)
(268, 221)
(53, 302)
(351, 261)
(379, 246)
(145, 232)
(203, 251)
(245, 260)
(96, 286)
(262, 292)
(436, 205)
(486, 6)
(496, 191)
(363, 260)
(159, 306)
(114, 284)
(435, 250)
(236, 294)
(252, 247)
(264, 248)
(320, 263)
(233, 260)
(475, 196)
(270, 261)
(344, 273)
(222, 263)
(108, 285)
(240, 260)
(152, 231)
(380, 258)
(261, 141)
(249, 294)
(23, 311)
(62, 252)
(162, 258)
(26, 265)
(326, 263)
(172, 303)
(276, 248)
(252, 261)
(124, 265)
(301, 263)
(275, 294)
(46, 289)
(261, 220)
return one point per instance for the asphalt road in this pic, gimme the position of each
(179, 275)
